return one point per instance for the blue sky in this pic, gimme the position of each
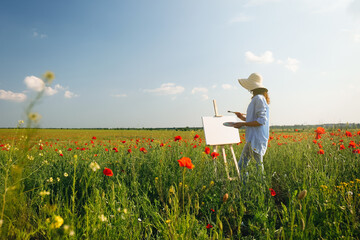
(161, 63)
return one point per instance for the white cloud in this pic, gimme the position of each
(11, 96)
(119, 95)
(34, 83)
(266, 57)
(36, 34)
(59, 87)
(166, 89)
(354, 8)
(204, 97)
(228, 86)
(357, 37)
(197, 89)
(260, 2)
(214, 86)
(292, 64)
(69, 94)
(240, 18)
(50, 91)
(326, 6)
(37, 84)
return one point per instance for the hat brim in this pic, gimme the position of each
(245, 83)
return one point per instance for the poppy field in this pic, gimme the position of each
(167, 184)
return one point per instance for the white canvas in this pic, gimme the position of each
(218, 134)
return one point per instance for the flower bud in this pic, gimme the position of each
(302, 194)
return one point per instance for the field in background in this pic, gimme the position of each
(127, 184)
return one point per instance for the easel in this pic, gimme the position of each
(223, 151)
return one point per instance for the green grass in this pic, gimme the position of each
(150, 197)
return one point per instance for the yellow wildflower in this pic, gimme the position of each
(172, 190)
(44, 193)
(34, 117)
(49, 77)
(58, 221)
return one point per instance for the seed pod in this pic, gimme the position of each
(225, 197)
(302, 194)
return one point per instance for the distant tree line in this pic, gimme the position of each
(332, 126)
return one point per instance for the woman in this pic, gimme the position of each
(256, 121)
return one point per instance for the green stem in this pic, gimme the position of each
(183, 195)
(73, 188)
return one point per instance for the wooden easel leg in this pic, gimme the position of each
(224, 156)
(234, 157)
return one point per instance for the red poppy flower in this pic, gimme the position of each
(319, 131)
(186, 162)
(108, 172)
(209, 226)
(93, 137)
(196, 136)
(212, 210)
(342, 147)
(272, 192)
(69, 149)
(129, 150)
(348, 134)
(142, 149)
(214, 155)
(61, 154)
(356, 151)
(207, 150)
(352, 144)
(321, 151)
(178, 138)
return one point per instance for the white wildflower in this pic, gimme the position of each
(102, 218)
(94, 166)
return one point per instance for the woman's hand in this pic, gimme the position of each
(239, 124)
(240, 115)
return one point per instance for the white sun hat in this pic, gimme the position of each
(252, 82)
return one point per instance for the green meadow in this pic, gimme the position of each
(128, 184)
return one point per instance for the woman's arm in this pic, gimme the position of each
(247, 124)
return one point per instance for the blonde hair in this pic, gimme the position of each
(262, 91)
